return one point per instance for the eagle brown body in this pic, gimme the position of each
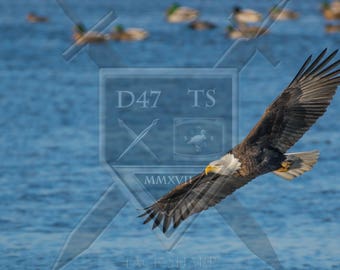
(264, 150)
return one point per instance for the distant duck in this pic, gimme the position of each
(279, 14)
(130, 34)
(176, 14)
(332, 28)
(245, 32)
(201, 25)
(331, 11)
(246, 15)
(81, 36)
(34, 18)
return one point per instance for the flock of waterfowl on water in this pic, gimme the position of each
(119, 33)
(245, 23)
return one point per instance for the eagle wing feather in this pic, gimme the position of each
(298, 107)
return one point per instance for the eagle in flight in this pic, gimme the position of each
(264, 150)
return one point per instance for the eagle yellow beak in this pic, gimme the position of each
(210, 168)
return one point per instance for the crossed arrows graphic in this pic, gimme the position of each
(137, 138)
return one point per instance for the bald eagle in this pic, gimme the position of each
(264, 149)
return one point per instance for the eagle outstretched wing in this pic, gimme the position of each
(199, 193)
(282, 125)
(299, 105)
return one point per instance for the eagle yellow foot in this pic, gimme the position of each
(285, 165)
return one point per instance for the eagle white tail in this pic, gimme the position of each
(297, 164)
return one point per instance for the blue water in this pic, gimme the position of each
(50, 174)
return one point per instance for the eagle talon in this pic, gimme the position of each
(285, 165)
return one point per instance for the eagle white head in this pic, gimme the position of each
(226, 165)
